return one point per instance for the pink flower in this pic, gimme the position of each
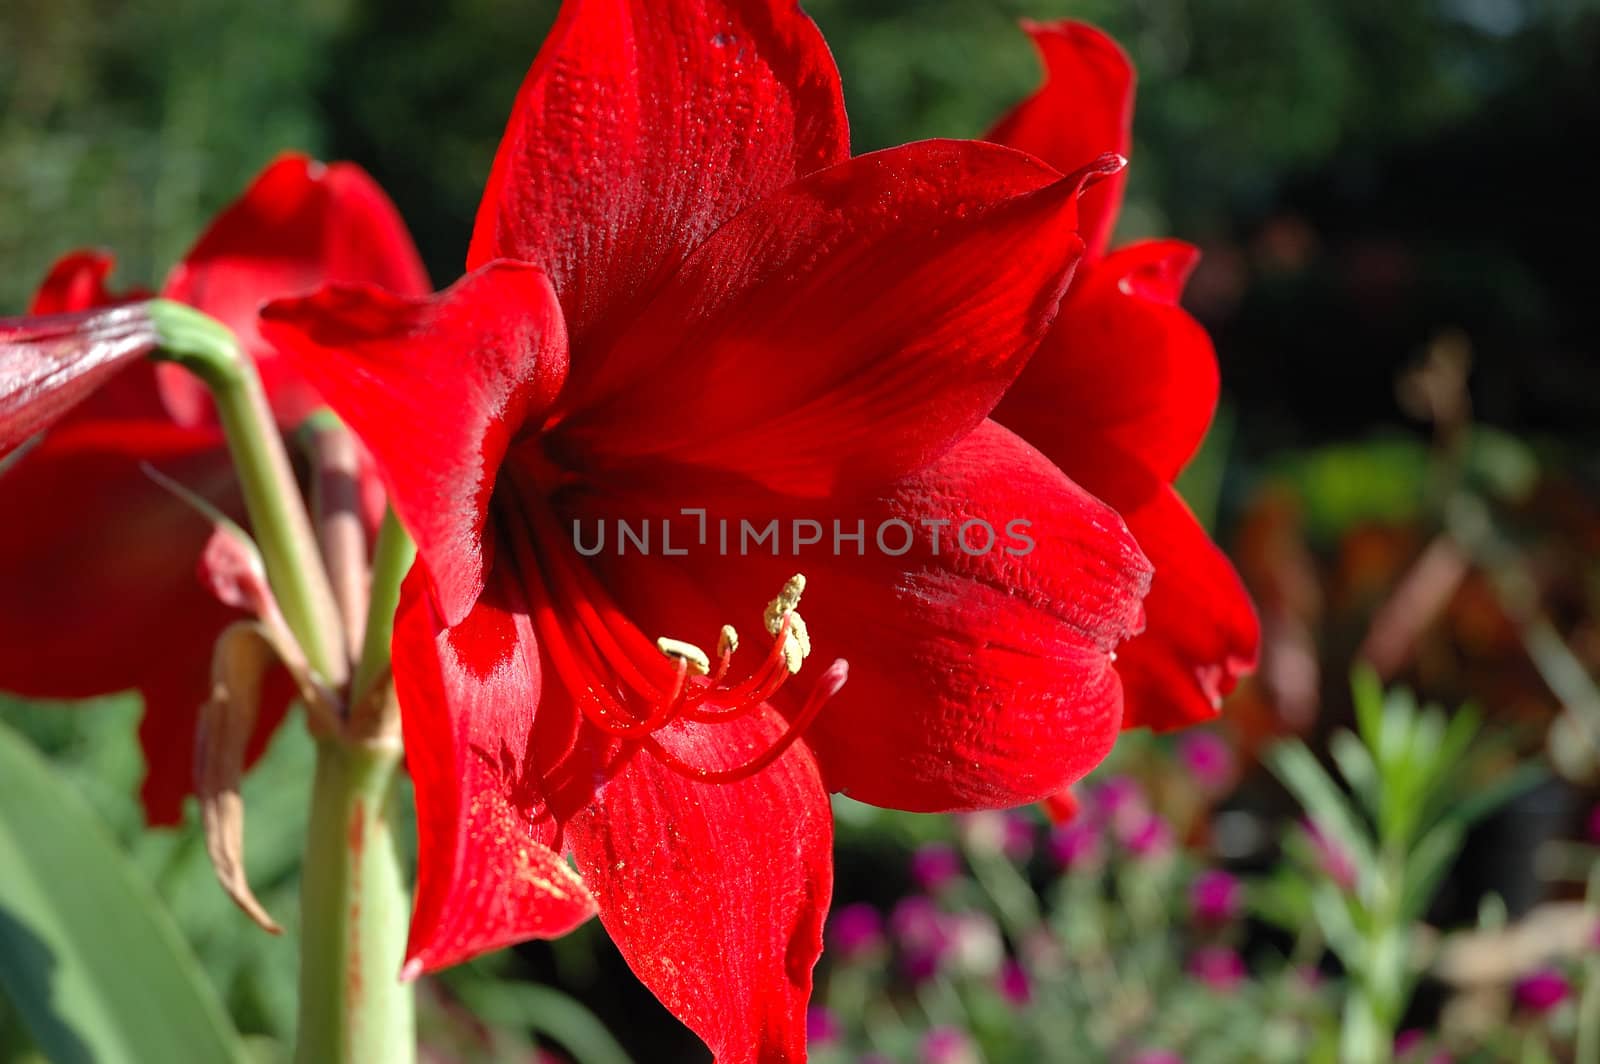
(856, 931)
(935, 865)
(1215, 897)
(1013, 983)
(822, 1027)
(948, 1045)
(923, 933)
(1019, 836)
(1075, 846)
(1542, 990)
(1151, 838)
(1155, 1056)
(1218, 967)
(1208, 759)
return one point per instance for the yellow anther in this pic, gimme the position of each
(797, 641)
(699, 664)
(727, 641)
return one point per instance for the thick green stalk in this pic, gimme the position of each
(353, 897)
(278, 519)
(354, 908)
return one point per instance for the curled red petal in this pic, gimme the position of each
(1083, 110)
(487, 875)
(49, 364)
(78, 281)
(1124, 366)
(301, 224)
(435, 388)
(643, 126)
(846, 331)
(716, 892)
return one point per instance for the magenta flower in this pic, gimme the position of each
(923, 933)
(1215, 897)
(1013, 983)
(1075, 846)
(1218, 967)
(1150, 838)
(822, 1027)
(1542, 990)
(934, 865)
(1020, 836)
(856, 931)
(1208, 760)
(948, 1045)
(1155, 1056)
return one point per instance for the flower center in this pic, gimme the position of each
(629, 688)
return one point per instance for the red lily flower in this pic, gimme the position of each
(1123, 389)
(716, 307)
(101, 592)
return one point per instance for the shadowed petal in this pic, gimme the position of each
(487, 875)
(435, 388)
(299, 225)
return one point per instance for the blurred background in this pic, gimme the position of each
(1394, 201)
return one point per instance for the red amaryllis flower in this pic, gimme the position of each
(97, 560)
(1123, 388)
(716, 308)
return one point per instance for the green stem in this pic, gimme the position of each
(278, 519)
(354, 908)
(391, 560)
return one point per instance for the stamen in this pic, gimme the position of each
(827, 686)
(797, 641)
(696, 658)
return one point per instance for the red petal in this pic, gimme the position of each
(486, 873)
(299, 225)
(643, 126)
(52, 363)
(99, 557)
(1083, 110)
(843, 331)
(1201, 633)
(976, 681)
(436, 389)
(77, 281)
(716, 893)
(1124, 366)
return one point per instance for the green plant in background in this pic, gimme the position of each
(1371, 860)
(1107, 939)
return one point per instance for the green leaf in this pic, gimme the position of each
(548, 1011)
(1367, 691)
(1356, 766)
(1322, 800)
(88, 956)
(1426, 866)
